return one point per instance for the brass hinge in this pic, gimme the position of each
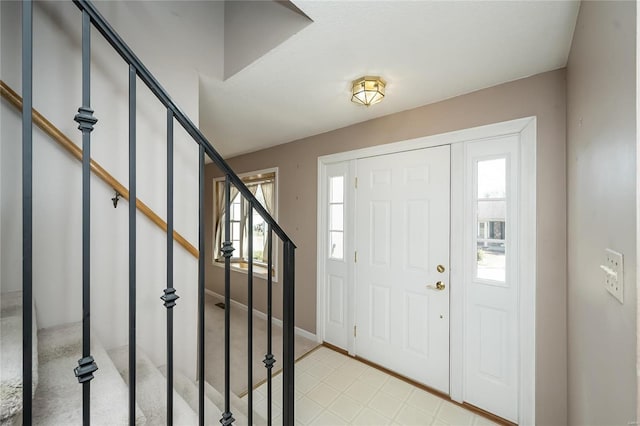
(355, 331)
(356, 183)
(355, 257)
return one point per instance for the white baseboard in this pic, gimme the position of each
(299, 331)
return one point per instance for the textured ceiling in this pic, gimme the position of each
(426, 51)
(296, 84)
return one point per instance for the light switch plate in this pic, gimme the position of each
(614, 274)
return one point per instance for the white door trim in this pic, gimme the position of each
(528, 277)
(456, 264)
(526, 129)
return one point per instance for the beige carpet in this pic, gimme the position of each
(214, 347)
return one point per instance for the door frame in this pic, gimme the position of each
(525, 128)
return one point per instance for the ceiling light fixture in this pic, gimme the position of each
(367, 90)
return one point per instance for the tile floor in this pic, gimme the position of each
(333, 389)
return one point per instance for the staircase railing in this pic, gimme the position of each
(86, 121)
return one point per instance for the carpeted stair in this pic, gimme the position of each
(58, 399)
(151, 389)
(58, 395)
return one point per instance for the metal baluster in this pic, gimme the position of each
(227, 251)
(86, 122)
(201, 254)
(27, 208)
(170, 295)
(132, 245)
(269, 360)
(85, 119)
(288, 335)
(250, 314)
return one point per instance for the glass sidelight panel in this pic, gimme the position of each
(336, 189)
(336, 245)
(336, 217)
(492, 178)
(491, 202)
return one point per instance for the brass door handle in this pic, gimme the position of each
(438, 286)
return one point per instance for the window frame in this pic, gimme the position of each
(239, 263)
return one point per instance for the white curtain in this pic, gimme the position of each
(220, 211)
(244, 224)
(268, 189)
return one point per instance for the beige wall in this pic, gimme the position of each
(601, 143)
(543, 96)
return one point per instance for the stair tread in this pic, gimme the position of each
(214, 400)
(11, 304)
(239, 408)
(58, 399)
(151, 389)
(11, 356)
(213, 412)
(189, 392)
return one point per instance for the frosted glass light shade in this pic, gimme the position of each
(368, 90)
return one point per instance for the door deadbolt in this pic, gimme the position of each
(440, 268)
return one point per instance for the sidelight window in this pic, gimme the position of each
(491, 202)
(336, 217)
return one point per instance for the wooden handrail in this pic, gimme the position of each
(55, 133)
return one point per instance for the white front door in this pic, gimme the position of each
(402, 236)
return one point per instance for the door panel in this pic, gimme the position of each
(492, 351)
(379, 317)
(380, 231)
(336, 302)
(417, 231)
(416, 323)
(402, 234)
